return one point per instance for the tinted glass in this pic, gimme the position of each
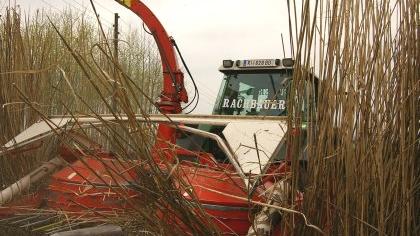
(254, 94)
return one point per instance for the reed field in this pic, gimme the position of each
(57, 64)
(35, 63)
(360, 136)
(363, 137)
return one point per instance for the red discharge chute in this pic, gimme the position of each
(173, 79)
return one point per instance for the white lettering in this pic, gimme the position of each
(240, 103)
(282, 104)
(253, 103)
(246, 104)
(274, 105)
(225, 102)
(233, 105)
(267, 104)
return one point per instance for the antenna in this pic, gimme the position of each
(282, 43)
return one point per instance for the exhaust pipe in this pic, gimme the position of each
(24, 183)
(104, 230)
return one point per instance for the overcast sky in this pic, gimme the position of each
(207, 31)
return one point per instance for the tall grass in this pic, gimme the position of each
(84, 84)
(34, 60)
(363, 141)
(362, 138)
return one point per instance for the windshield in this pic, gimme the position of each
(245, 93)
(254, 94)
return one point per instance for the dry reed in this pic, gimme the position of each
(363, 146)
(362, 137)
(35, 61)
(89, 77)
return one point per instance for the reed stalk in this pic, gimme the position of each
(83, 82)
(363, 143)
(35, 61)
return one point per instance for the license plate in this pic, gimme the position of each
(258, 63)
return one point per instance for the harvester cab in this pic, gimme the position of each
(257, 90)
(254, 87)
